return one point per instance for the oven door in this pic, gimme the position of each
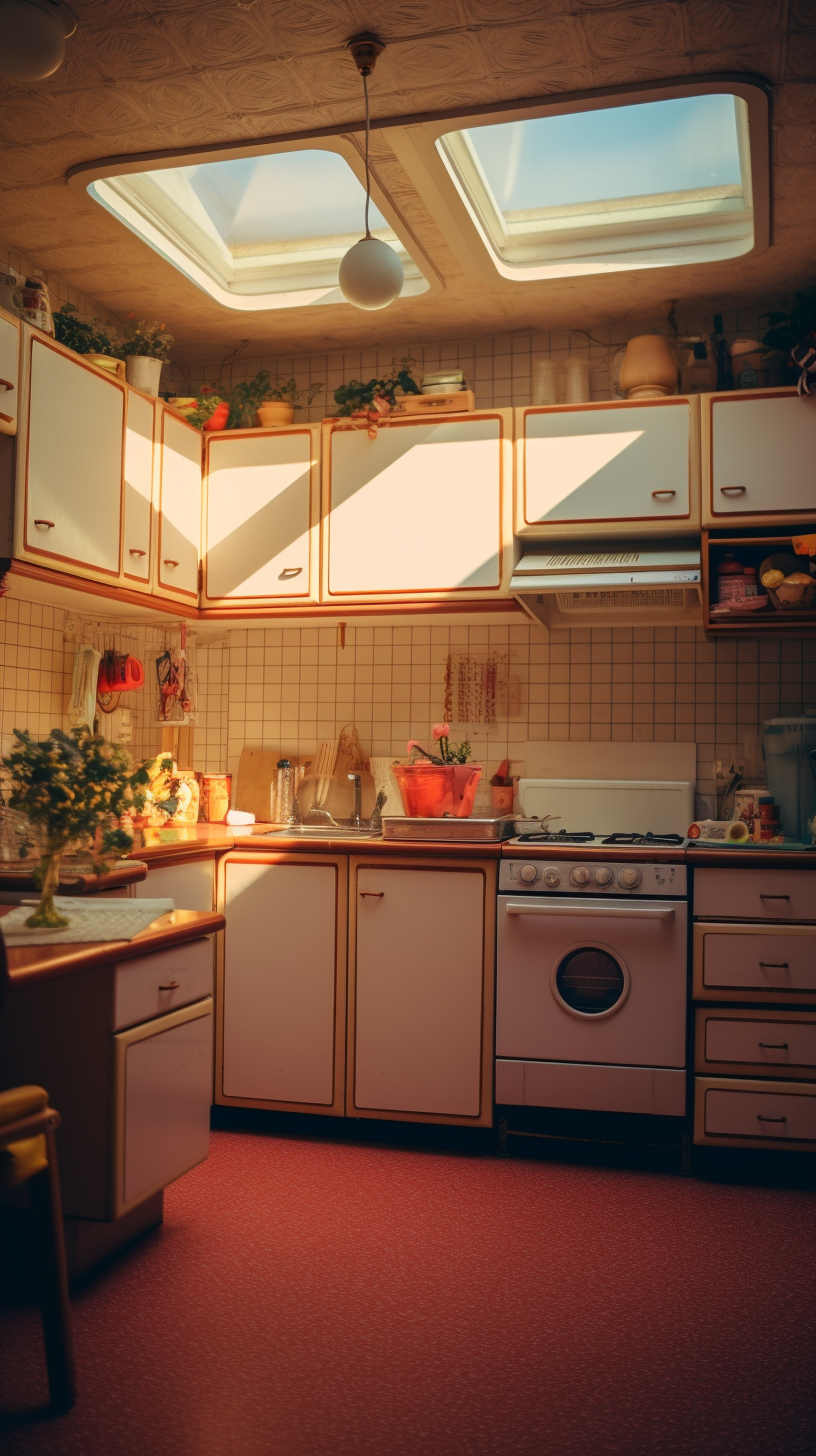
(592, 980)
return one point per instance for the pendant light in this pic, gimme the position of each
(371, 273)
(33, 38)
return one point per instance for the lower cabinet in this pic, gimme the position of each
(190, 884)
(282, 979)
(421, 957)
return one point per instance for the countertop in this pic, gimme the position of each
(78, 884)
(433, 849)
(27, 964)
(757, 859)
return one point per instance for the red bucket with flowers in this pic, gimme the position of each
(435, 786)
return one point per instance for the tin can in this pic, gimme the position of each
(215, 796)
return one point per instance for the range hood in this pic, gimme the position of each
(609, 587)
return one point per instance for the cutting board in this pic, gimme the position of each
(257, 768)
(676, 762)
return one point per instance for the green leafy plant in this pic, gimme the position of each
(448, 753)
(82, 337)
(207, 400)
(287, 392)
(792, 328)
(244, 399)
(355, 396)
(144, 337)
(70, 786)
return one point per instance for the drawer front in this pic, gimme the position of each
(737, 1113)
(755, 894)
(156, 984)
(746, 961)
(756, 1043)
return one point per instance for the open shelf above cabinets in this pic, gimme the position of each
(756, 551)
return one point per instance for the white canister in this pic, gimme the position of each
(143, 373)
(577, 391)
(544, 391)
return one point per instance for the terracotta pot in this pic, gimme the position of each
(143, 373)
(218, 418)
(275, 412)
(649, 368)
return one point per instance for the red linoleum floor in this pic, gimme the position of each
(315, 1299)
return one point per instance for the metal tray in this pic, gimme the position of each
(498, 826)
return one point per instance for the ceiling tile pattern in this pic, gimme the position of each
(141, 75)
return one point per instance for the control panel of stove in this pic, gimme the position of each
(568, 877)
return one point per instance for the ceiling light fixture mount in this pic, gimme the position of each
(371, 273)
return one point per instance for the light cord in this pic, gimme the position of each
(368, 184)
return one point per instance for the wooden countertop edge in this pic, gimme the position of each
(36, 963)
(79, 884)
(781, 859)
(434, 848)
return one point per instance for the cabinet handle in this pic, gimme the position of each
(773, 897)
(168, 562)
(372, 894)
(777, 1046)
(134, 551)
(9, 419)
(658, 493)
(49, 524)
(170, 986)
(7, 385)
(732, 490)
(774, 965)
(290, 571)
(760, 1118)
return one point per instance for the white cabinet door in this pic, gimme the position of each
(180, 506)
(138, 486)
(190, 886)
(259, 515)
(163, 1095)
(73, 463)
(281, 988)
(587, 464)
(758, 454)
(9, 374)
(419, 990)
(418, 511)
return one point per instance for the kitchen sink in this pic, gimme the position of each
(321, 831)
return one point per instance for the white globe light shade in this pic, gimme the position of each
(32, 41)
(371, 274)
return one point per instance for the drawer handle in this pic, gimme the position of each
(290, 571)
(9, 419)
(7, 385)
(657, 494)
(168, 562)
(49, 524)
(372, 894)
(774, 965)
(760, 1118)
(773, 897)
(777, 1046)
(134, 551)
(170, 986)
(732, 490)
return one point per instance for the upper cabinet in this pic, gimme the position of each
(70, 463)
(261, 517)
(9, 373)
(758, 453)
(420, 512)
(179, 508)
(138, 504)
(618, 468)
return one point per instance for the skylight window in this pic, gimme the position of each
(645, 184)
(255, 232)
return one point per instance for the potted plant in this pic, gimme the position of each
(71, 787)
(83, 338)
(794, 333)
(210, 409)
(442, 784)
(144, 346)
(282, 399)
(368, 404)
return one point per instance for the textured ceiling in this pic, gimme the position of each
(140, 76)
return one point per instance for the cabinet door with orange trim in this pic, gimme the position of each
(180, 507)
(419, 512)
(138, 506)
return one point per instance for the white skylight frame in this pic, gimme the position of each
(649, 232)
(210, 266)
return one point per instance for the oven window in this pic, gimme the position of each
(590, 981)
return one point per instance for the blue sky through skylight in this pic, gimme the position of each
(281, 197)
(622, 151)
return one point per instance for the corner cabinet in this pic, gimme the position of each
(422, 512)
(261, 517)
(617, 468)
(70, 463)
(179, 543)
(758, 449)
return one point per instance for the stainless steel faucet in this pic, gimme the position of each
(356, 820)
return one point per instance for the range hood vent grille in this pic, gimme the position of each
(598, 600)
(601, 558)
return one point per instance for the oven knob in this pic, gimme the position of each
(552, 879)
(603, 875)
(528, 873)
(580, 876)
(630, 878)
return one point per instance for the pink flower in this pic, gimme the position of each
(414, 743)
(441, 730)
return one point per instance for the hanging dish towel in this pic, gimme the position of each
(82, 707)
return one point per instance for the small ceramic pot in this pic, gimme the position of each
(143, 373)
(649, 368)
(275, 412)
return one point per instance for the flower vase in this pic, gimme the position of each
(144, 373)
(46, 917)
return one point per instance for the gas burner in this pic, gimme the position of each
(561, 836)
(647, 838)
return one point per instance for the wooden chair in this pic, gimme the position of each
(28, 1155)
